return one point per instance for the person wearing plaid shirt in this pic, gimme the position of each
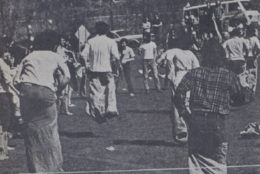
(211, 88)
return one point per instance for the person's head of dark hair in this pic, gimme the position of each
(213, 54)
(147, 37)
(123, 40)
(145, 18)
(46, 40)
(235, 32)
(101, 28)
(251, 31)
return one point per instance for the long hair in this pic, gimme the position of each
(213, 54)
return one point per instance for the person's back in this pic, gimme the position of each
(185, 59)
(39, 68)
(235, 48)
(211, 89)
(101, 48)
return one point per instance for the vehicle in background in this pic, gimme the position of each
(134, 41)
(233, 9)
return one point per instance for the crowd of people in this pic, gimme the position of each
(206, 72)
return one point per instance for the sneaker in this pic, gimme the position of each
(10, 148)
(124, 89)
(72, 105)
(132, 94)
(68, 113)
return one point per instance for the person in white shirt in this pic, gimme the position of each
(179, 62)
(36, 81)
(64, 96)
(149, 51)
(236, 48)
(146, 25)
(102, 51)
(253, 45)
(127, 56)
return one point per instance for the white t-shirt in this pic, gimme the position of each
(148, 50)
(235, 48)
(127, 55)
(38, 68)
(253, 45)
(179, 62)
(101, 50)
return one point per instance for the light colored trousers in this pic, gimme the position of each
(179, 124)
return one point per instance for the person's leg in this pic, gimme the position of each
(96, 101)
(179, 125)
(5, 110)
(207, 143)
(5, 121)
(111, 96)
(146, 75)
(155, 74)
(127, 73)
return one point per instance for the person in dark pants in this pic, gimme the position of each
(211, 87)
(127, 56)
(218, 13)
(36, 79)
(5, 100)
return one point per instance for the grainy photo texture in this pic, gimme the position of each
(129, 86)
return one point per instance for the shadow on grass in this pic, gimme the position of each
(152, 111)
(147, 143)
(78, 134)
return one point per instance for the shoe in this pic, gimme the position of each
(124, 89)
(68, 113)
(132, 94)
(110, 115)
(10, 148)
(72, 105)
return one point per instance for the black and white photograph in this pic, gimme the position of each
(129, 86)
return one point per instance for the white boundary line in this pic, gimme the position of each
(141, 170)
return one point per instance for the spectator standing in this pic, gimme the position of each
(6, 94)
(146, 25)
(171, 39)
(127, 57)
(218, 12)
(64, 95)
(149, 51)
(156, 28)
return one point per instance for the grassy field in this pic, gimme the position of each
(141, 138)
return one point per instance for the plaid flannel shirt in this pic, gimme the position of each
(211, 89)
